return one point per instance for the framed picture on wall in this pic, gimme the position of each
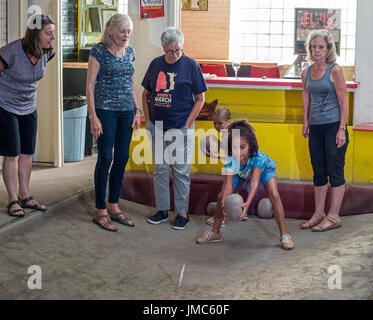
(106, 15)
(151, 9)
(195, 5)
(94, 19)
(107, 2)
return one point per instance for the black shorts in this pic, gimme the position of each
(17, 133)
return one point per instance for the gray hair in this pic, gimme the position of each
(332, 55)
(116, 21)
(171, 35)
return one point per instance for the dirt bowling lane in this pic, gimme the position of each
(78, 260)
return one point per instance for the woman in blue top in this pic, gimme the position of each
(244, 161)
(325, 117)
(113, 112)
(22, 65)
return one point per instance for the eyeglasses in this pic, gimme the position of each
(177, 51)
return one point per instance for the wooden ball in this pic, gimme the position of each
(233, 206)
(210, 144)
(265, 208)
(210, 210)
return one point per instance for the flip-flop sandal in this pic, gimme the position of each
(36, 206)
(125, 221)
(104, 224)
(12, 212)
(336, 223)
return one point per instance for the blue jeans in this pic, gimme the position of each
(117, 133)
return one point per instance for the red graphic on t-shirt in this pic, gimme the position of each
(161, 82)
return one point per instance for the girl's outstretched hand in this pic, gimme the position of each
(245, 207)
(215, 155)
(212, 155)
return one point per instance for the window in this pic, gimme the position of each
(263, 30)
(123, 6)
(3, 23)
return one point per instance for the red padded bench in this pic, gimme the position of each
(297, 197)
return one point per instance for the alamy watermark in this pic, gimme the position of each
(34, 17)
(335, 280)
(176, 146)
(34, 281)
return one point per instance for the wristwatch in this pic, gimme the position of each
(343, 127)
(138, 109)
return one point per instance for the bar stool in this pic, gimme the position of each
(219, 69)
(269, 72)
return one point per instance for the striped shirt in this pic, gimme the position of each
(20, 78)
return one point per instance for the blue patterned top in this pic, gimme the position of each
(113, 89)
(261, 160)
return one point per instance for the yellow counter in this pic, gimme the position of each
(274, 108)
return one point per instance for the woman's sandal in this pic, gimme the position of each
(36, 206)
(125, 221)
(12, 212)
(103, 221)
(336, 223)
(308, 225)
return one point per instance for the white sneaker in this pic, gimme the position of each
(286, 242)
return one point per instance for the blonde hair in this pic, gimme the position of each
(222, 113)
(113, 23)
(331, 56)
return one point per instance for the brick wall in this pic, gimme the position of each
(3, 28)
(207, 32)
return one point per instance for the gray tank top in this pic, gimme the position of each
(324, 102)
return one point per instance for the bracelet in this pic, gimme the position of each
(343, 127)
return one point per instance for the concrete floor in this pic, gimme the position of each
(81, 261)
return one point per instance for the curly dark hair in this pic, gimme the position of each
(246, 131)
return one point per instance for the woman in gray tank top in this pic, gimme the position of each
(325, 116)
(22, 65)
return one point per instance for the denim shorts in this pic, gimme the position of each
(267, 174)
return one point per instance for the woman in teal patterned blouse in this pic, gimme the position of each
(113, 112)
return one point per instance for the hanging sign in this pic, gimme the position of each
(151, 9)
